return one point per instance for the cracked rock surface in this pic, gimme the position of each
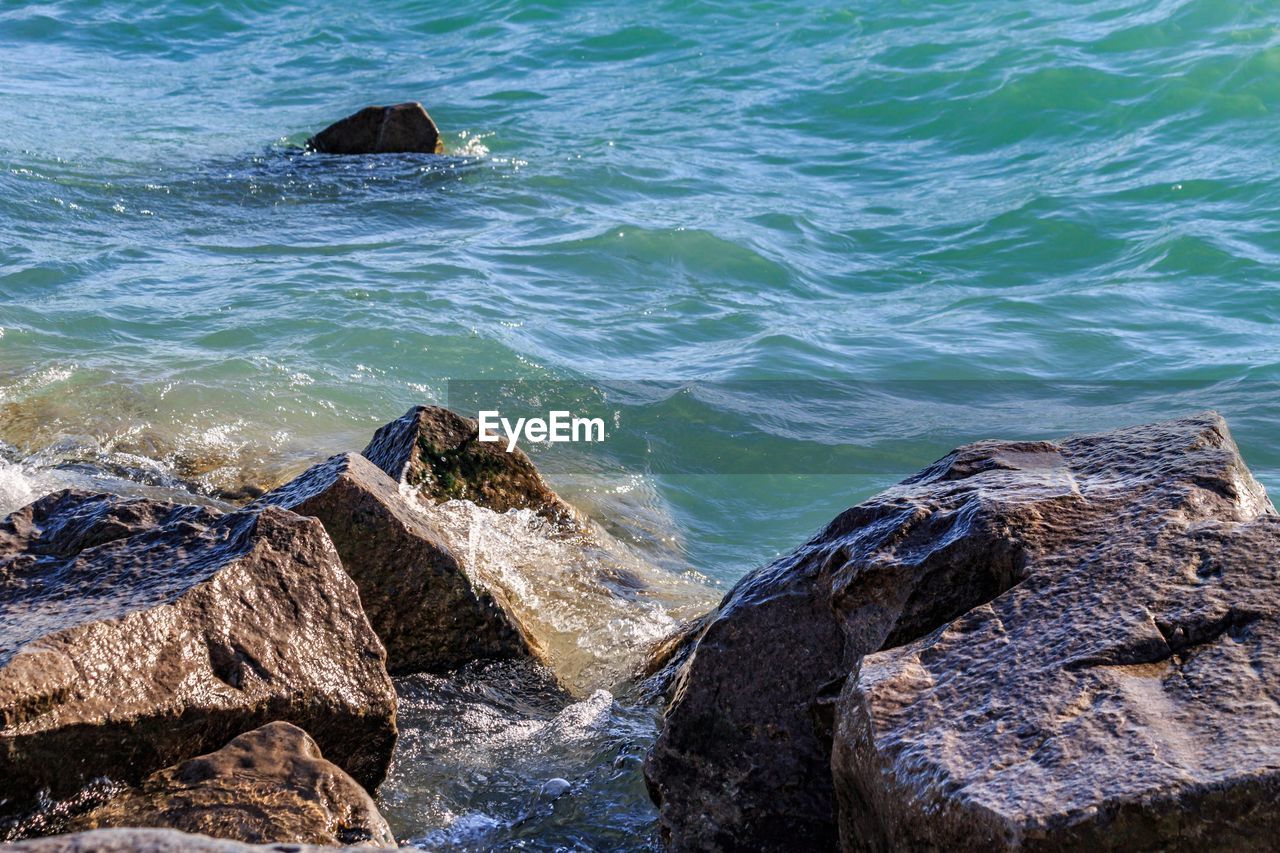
(123, 657)
(1028, 645)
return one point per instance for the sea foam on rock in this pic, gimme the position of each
(268, 785)
(399, 129)
(122, 654)
(1043, 645)
(430, 614)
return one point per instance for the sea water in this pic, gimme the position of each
(793, 252)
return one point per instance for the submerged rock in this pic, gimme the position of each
(1028, 644)
(155, 841)
(430, 614)
(134, 654)
(400, 129)
(268, 785)
(439, 453)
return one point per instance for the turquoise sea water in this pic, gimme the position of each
(849, 236)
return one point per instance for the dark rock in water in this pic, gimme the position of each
(400, 129)
(659, 671)
(430, 615)
(439, 453)
(156, 841)
(143, 651)
(67, 522)
(1028, 644)
(268, 785)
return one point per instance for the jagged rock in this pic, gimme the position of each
(268, 785)
(400, 129)
(430, 614)
(67, 522)
(1075, 645)
(140, 652)
(156, 841)
(438, 453)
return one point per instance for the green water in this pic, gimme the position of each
(860, 233)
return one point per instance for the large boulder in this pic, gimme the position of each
(438, 453)
(268, 785)
(429, 613)
(128, 656)
(155, 841)
(1028, 644)
(400, 129)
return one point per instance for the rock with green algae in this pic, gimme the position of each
(437, 453)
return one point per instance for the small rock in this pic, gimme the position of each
(268, 785)
(438, 453)
(430, 615)
(400, 129)
(554, 789)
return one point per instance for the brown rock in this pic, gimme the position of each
(400, 129)
(438, 453)
(268, 785)
(134, 654)
(429, 614)
(155, 841)
(1074, 642)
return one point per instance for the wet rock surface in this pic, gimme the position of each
(399, 129)
(438, 453)
(137, 653)
(268, 785)
(1028, 644)
(155, 841)
(429, 613)
(67, 522)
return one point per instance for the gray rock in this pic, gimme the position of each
(1028, 644)
(438, 453)
(268, 785)
(429, 614)
(140, 652)
(67, 522)
(400, 129)
(156, 841)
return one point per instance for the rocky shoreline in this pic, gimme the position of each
(1027, 645)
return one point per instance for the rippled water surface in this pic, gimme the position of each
(856, 232)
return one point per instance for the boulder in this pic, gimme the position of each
(439, 454)
(400, 129)
(67, 522)
(429, 613)
(1028, 644)
(139, 652)
(155, 841)
(268, 785)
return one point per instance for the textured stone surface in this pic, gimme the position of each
(268, 785)
(1075, 641)
(143, 651)
(430, 615)
(400, 129)
(67, 522)
(438, 453)
(155, 841)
